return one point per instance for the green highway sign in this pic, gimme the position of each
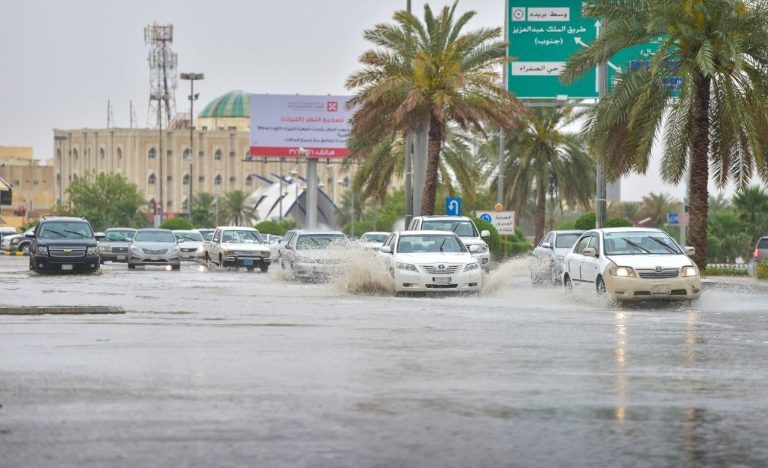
(542, 35)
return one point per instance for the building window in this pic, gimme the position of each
(152, 153)
(217, 155)
(17, 183)
(201, 154)
(35, 182)
(152, 179)
(201, 179)
(232, 180)
(169, 178)
(119, 153)
(249, 180)
(75, 154)
(187, 154)
(217, 180)
(74, 176)
(169, 153)
(231, 154)
(101, 153)
(232, 128)
(185, 181)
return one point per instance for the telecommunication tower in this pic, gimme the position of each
(162, 74)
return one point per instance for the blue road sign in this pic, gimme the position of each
(486, 217)
(453, 206)
(673, 219)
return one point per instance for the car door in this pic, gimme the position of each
(575, 259)
(590, 265)
(215, 245)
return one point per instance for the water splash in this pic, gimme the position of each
(363, 273)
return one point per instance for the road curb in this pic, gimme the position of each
(13, 254)
(61, 310)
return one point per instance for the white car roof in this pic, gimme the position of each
(627, 229)
(424, 232)
(377, 232)
(238, 228)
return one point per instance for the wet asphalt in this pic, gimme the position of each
(229, 368)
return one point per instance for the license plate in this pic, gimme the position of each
(66, 267)
(121, 257)
(660, 289)
(442, 279)
(154, 259)
(248, 261)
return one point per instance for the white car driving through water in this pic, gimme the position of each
(315, 255)
(462, 226)
(631, 264)
(430, 261)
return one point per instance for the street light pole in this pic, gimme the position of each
(408, 167)
(192, 98)
(600, 189)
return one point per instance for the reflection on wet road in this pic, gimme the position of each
(211, 368)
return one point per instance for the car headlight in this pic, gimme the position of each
(482, 248)
(622, 272)
(92, 251)
(305, 260)
(105, 248)
(407, 267)
(199, 249)
(15, 241)
(472, 266)
(689, 271)
(42, 250)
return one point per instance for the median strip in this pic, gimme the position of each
(61, 310)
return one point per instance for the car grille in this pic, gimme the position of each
(67, 251)
(120, 249)
(155, 251)
(245, 253)
(663, 274)
(188, 250)
(446, 270)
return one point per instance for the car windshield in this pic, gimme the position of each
(188, 236)
(320, 241)
(566, 241)
(431, 243)
(640, 243)
(762, 243)
(374, 237)
(462, 228)
(207, 235)
(119, 236)
(154, 236)
(241, 236)
(65, 230)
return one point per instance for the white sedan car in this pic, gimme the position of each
(430, 261)
(631, 264)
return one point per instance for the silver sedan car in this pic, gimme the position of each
(154, 247)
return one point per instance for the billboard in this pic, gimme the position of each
(299, 126)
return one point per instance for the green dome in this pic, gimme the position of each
(234, 104)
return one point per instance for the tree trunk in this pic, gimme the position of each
(541, 211)
(699, 191)
(433, 162)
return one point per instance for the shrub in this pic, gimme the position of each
(514, 245)
(269, 227)
(618, 222)
(720, 271)
(586, 221)
(177, 223)
(568, 225)
(762, 270)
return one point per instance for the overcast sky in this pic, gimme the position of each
(62, 60)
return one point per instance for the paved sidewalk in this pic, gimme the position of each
(739, 283)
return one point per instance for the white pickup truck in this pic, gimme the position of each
(233, 246)
(464, 227)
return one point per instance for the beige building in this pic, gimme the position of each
(32, 182)
(220, 164)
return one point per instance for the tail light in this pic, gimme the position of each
(756, 253)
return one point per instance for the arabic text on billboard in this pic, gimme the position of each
(298, 126)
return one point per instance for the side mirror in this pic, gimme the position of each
(180, 241)
(690, 250)
(99, 235)
(589, 252)
(30, 235)
(289, 247)
(546, 245)
(485, 234)
(386, 249)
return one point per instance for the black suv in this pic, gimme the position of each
(62, 243)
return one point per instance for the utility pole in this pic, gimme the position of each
(600, 186)
(192, 98)
(408, 167)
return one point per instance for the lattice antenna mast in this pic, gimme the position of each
(162, 74)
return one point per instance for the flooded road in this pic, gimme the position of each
(224, 368)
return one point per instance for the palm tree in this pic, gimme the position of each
(235, 210)
(718, 51)
(427, 75)
(718, 203)
(381, 163)
(656, 206)
(752, 207)
(544, 160)
(204, 206)
(627, 210)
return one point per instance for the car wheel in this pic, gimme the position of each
(176, 267)
(264, 268)
(131, 266)
(600, 286)
(25, 249)
(31, 263)
(567, 284)
(221, 261)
